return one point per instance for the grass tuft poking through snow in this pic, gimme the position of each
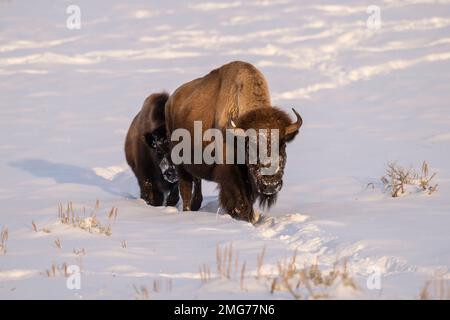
(141, 293)
(436, 289)
(158, 286)
(226, 260)
(310, 282)
(228, 266)
(307, 282)
(260, 262)
(205, 273)
(55, 271)
(91, 223)
(35, 228)
(398, 180)
(58, 243)
(3, 240)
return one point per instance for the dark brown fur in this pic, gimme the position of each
(144, 156)
(235, 92)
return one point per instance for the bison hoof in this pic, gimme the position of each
(243, 214)
(172, 199)
(196, 203)
(154, 203)
(172, 202)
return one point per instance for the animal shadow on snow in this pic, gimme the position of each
(67, 173)
(123, 184)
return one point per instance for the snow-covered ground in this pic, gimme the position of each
(367, 97)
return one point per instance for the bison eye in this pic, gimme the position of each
(162, 143)
(151, 140)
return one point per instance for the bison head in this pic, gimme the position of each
(159, 145)
(266, 176)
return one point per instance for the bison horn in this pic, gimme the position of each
(238, 132)
(296, 125)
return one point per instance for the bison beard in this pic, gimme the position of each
(267, 201)
(236, 93)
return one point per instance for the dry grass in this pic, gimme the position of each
(35, 228)
(317, 283)
(227, 266)
(124, 244)
(158, 286)
(301, 282)
(62, 270)
(226, 261)
(58, 243)
(88, 223)
(205, 273)
(113, 214)
(4, 235)
(436, 289)
(55, 271)
(260, 262)
(424, 179)
(79, 252)
(243, 275)
(398, 178)
(141, 293)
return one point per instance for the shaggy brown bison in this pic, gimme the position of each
(234, 95)
(146, 151)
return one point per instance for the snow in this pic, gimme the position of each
(367, 97)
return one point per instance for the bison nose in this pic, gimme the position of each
(171, 176)
(271, 188)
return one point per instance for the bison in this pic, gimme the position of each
(146, 151)
(235, 95)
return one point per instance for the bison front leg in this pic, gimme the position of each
(235, 202)
(233, 194)
(186, 182)
(173, 197)
(197, 199)
(149, 194)
(237, 206)
(146, 189)
(185, 185)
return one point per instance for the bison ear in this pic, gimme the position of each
(150, 140)
(291, 136)
(292, 130)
